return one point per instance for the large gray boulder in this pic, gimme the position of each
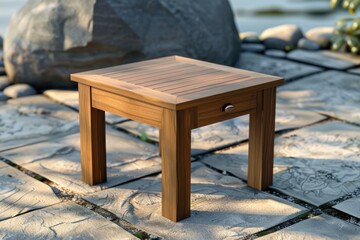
(49, 39)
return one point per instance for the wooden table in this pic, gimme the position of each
(176, 94)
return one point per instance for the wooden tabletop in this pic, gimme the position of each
(175, 82)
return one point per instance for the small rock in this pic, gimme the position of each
(320, 35)
(19, 90)
(275, 53)
(3, 97)
(253, 47)
(307, 44)
(250, 37)
(283, 37)
(4, 82)
(153, 237)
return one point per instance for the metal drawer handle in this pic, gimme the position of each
(228, 107)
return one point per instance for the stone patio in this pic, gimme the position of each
(316, 186)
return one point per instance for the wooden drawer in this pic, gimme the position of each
(214, 111)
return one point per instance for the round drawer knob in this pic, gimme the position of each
(228, 107)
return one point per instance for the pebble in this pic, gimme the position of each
(307, 44)
(3, 97)
(153, 237)
(283, 37)
(253, 47)
(4, 82)
(250, 37)
(19, 90)
(321, 35)
(275, 53)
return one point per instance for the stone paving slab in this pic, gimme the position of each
(33, 119)
(279, 67)
(316, 164)
(62, 221)
(20, 193)
(47, 106)
(223, 207)
(332, 140)
(71, 98)
(355, 70)
(350, 206)
(59, 160)
(326, 59)
(332, 93)
(225, 133)
(320, 228)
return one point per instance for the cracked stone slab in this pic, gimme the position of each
(62, 221)
(332, 140)
(34, 119)
(222, 207)
(350, 206)
(320, 228)
(274, 66)
(59, 160)
(316, 164)
(326, 59)
(71, 98)
(355, 70)
(47, 106)
(20, 193)
(333, 93)
(226, 133)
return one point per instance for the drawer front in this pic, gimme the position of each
(226, 108)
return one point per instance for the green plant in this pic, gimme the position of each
(144, 136)
(139, 235)
(347, 30)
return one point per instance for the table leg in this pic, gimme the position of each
(92, 137)
(261, 140)
(176, 165)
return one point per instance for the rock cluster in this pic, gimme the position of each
(278, 40)
(89, 34)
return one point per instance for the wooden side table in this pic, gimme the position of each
(177, 94)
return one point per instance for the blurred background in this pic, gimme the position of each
(253, 15)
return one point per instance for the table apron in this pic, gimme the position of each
(127, 107)
(205, 114)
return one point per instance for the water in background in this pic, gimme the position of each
(251, 15)
(257, 15)
(7, 8)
